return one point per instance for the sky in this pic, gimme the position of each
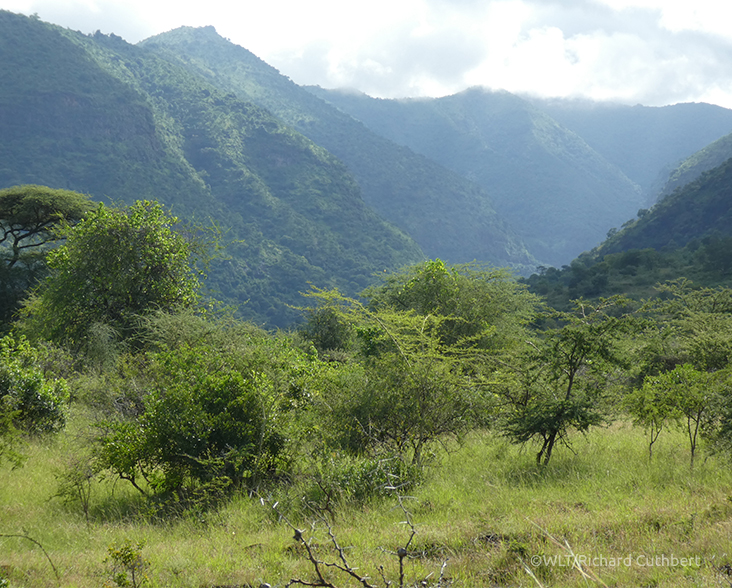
(651, 52)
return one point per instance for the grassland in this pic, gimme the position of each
(485, 508)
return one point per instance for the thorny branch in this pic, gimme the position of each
(341, 564)
(50, 561)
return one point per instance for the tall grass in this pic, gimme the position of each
(485, 508)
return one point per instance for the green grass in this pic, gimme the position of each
(484, 508)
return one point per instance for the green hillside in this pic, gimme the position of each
(100, 116)
(561, 196)
(645, 142)
(686, 235)
(700, 209)
(449, 216)
(693, 166)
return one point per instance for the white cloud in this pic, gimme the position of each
(648, 51)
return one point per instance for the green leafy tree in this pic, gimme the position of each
(30, 218)
(482, 306)
(558, 382)
(687, 360)
(699, 321)
(217, 405)
(116, 264)
(327, 330)
(692, 391)
(204, 423)
(717, 427)
(409, 389)
(653, 406)
(681, 394)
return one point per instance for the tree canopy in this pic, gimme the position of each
(116, 264)
(31, 215)
(30, 219)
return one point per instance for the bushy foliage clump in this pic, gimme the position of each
(202, 421)
(116, 264)
(36, 403)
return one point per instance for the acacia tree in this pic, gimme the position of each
(421, 346)
(482, 306)
(30, 217)
(116, 264)
(652, 407)
(409, 389)
(556, 384)
(682, 394)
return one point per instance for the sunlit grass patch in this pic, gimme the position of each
(485, 508)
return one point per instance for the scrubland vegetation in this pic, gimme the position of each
(446, 428)
(483, 508)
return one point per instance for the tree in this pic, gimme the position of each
(681, 393)
(116, 264)
(652, 406)
(203, 422)
(30, 219)
(556, 384)
(31, 215)
(409, 389)
(717, 427)
(482, 306)
(215, 414)
(699, 321)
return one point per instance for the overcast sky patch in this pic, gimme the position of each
(651, 52)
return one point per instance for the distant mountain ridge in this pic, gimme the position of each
(325, 187)
(645, 142)
(559, 194)
(449, 216)
(702, 208)
(687, 235)
(98, 115)
(713, 155)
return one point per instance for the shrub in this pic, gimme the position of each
(37, 403)
(203, 423)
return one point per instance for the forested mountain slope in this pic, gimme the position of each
(692, 167)
(702, 208)
(101, 116)
(449, 216)
(561, 196)
(644, 142)
(685, 236)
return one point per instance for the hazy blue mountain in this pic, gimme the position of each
(692, 167)
(449, 216)
(702, 208)
(686, 235)
(559, 194)
(645, 142)
(98, 115)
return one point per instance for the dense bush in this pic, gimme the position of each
(203, 422)
(116, 265)
(37, 404)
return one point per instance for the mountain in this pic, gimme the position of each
(100, 116)
(686, 235)
(702, 208)
(644, 142)
(560, 194)
(448, 216)
(692, 167)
